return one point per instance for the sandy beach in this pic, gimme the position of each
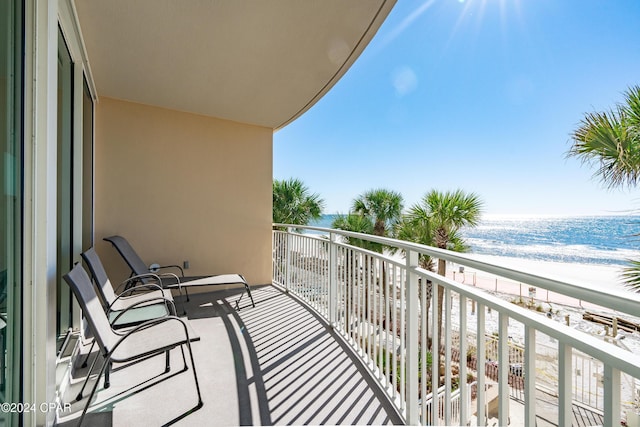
(603, 277)
(591, 275)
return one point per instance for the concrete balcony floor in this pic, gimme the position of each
(275, 364)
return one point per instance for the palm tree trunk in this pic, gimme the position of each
(425, 289)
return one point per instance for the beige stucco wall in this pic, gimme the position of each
(181, 187)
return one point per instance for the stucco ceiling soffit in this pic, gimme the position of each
(250, 61)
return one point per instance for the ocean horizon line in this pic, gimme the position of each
(635, 213)
(590, 239)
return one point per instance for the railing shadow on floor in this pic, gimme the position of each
(290, 366)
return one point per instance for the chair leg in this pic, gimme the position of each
(184, 309)
(107, 375)
(167, 366)
(247, 289)
(195, 375)
(93, 390)
(250, 296)
(86, 380)
(86, 359)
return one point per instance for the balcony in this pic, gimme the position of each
(274, 364)
(349, 336)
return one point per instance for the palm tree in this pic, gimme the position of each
(357, 224)
(612, 140)
(417, 230)
(383, 207)
(294, 204)
(437, 221)
(374, 212)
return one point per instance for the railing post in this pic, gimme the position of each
(333, 281)
(288, 269)
(447, 356)
(503, 369)
(465, 389)
(435, 352)
(565, 368)
(529, 376)
(611, 396)
(412, 347)
(481, 358)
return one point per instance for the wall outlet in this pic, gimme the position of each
(185, 265)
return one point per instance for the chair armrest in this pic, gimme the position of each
(127, 283)
(175, 276)
(146, 286)
(170, 275)
(172, 266)
(171, 308)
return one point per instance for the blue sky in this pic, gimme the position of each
(480, 95)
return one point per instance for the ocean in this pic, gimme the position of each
(598, 240)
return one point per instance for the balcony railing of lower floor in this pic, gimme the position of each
(489, 359)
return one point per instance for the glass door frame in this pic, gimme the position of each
(12, 188)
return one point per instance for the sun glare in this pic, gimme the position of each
(471, 13)
(476, 10)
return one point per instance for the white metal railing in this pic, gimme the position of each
(386, 308)
(457, 400)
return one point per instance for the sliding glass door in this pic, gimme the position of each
(64, 188)
(87, 167)
(11, 202)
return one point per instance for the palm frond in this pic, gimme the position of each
(358, 224)
(438, 218)
(611, 140)
(631, 276)
(293, 203)
(383, 207)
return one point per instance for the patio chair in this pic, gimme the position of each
(127, 308)
(172, 281)
(148, 300)
(148, 339)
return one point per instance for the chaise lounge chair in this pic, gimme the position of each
(172, 281)
(145, 340)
